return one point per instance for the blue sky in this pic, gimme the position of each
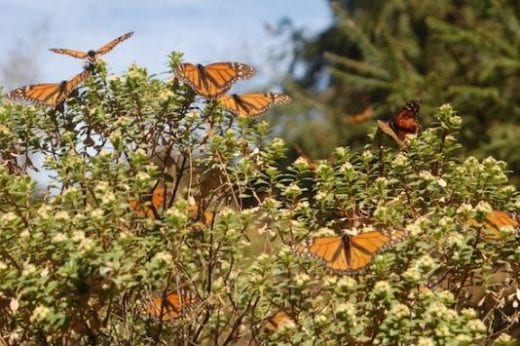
(205, 30)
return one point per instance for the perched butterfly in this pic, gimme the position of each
(92, 55)
(251, 105)
(495, 221)
(213, 80)
(49, 94)
(170, 307)
(156, 202)
(274, 322)
(348, 254)
(402, 123)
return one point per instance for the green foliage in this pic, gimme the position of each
(80, 263)
(383, 53)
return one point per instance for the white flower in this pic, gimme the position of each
(28, 269)
(39, 313)
(400, 311)
(367, 155)
(483, 208)
(346, 283)
(163, 256)
(465, 209)
(78, 235)
(44, 273)
(302, 279)
(59, 237)
(426, 175)
(61, 215)
(400, 160)
(3, 265)
(445, 107)
(442, 183)
(14, 304)
(9, 217)
(44, 211)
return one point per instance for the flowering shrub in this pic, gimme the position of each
(80, 264)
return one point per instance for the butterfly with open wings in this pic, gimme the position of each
(348, 254)
(49, 94)
(92, 55)
(215, 79)
(253, 104)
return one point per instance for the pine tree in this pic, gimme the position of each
(382, 53)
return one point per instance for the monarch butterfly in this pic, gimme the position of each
(170, 306)
(49, 94)
(274, 322)
(92, 55)
(360, 117)
(403, 122)
(157, 200)
(348, 254)
(213, 80)
(251, 105)
(495, 221)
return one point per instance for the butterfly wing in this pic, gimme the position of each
(495, 221)
(74, 53)
(110, 45)
(45, 94)
(405, 121)
(365, 246)
(386, 128)
(253, 104)
(215, 79)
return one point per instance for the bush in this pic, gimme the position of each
(152, 191)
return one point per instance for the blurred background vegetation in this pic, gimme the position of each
(376, 55)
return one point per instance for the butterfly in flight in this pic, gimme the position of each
(49, 94)
(170, 307)
(495, 221)
(213, 80)
(348, 254)
(402, 123)
(92, 55)
(251, 105)
(156, 201)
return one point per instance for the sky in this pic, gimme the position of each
(204, 30)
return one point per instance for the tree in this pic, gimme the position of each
(142, 237)
(377, 55)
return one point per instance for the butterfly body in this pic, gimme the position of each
(253, 104)
(348, 254)
(49, 94)
(215, 79)
(92, 54)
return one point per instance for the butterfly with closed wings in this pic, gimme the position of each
(402, 123)
(251, 105)
(348, 254)
(92, 55)
(213, 80)
(49, 94)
